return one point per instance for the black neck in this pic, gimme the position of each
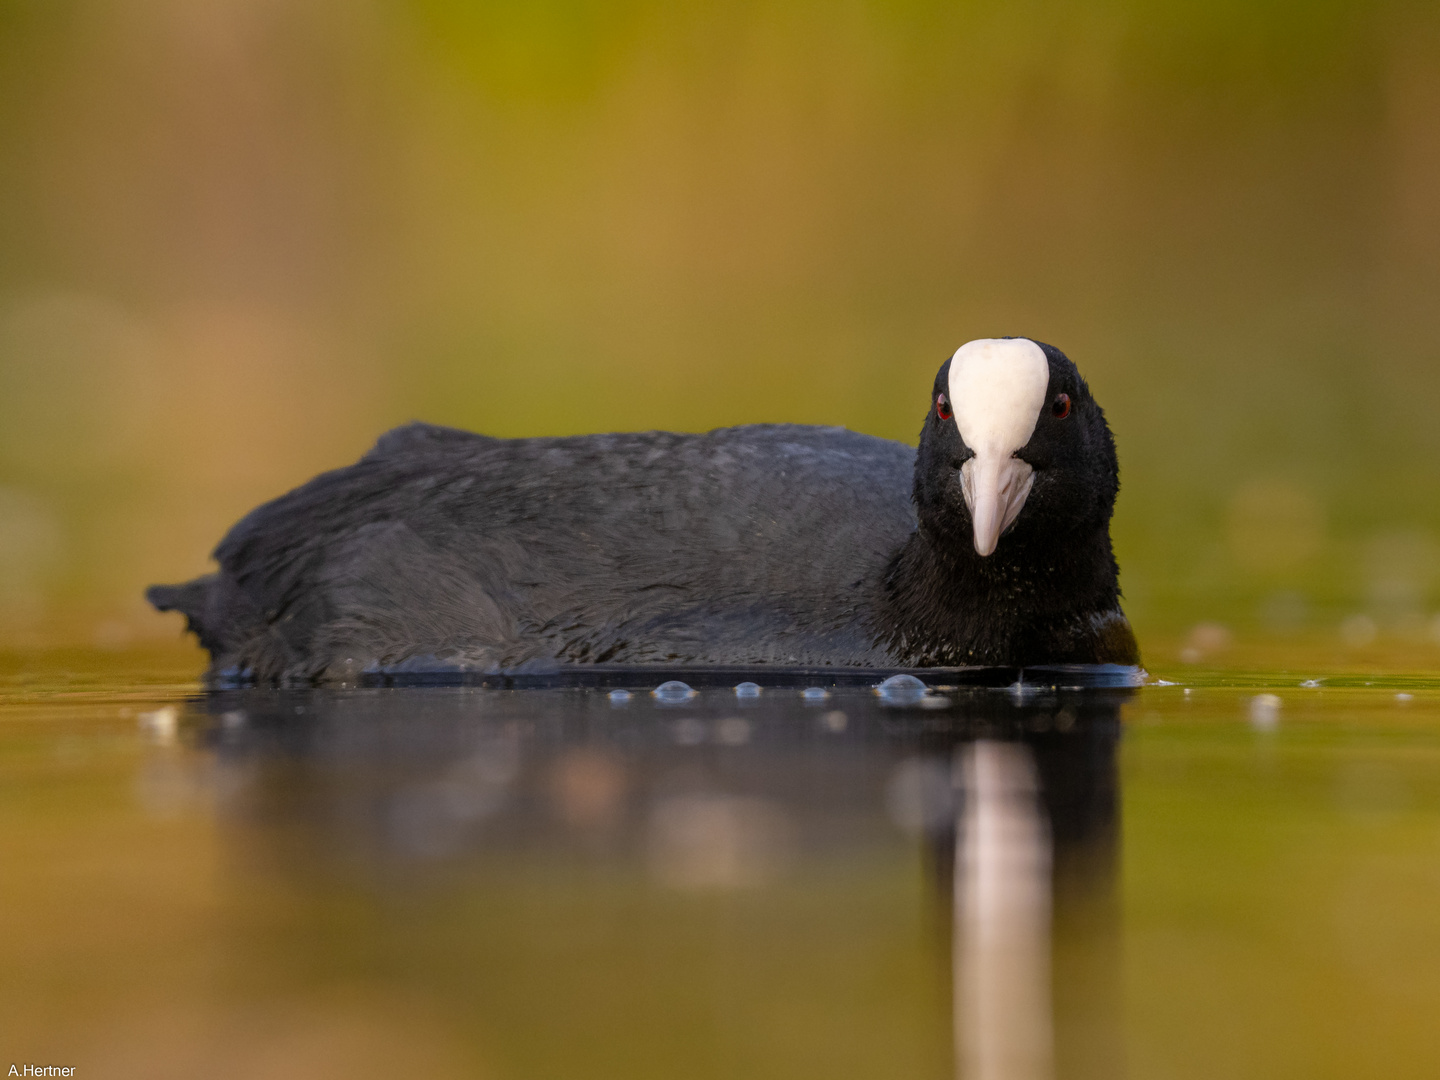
(1029, 602)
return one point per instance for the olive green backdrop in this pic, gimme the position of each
(238, 238)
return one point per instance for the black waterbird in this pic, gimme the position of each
(773, 544)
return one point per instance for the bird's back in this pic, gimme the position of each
(758, 544)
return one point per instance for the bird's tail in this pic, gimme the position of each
(194, 600)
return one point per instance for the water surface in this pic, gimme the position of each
(1170, 881)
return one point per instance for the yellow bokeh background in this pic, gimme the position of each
(239, 238)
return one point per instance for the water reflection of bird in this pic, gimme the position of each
(1023, 852)
(767, 544)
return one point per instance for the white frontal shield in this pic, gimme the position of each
(997, 389)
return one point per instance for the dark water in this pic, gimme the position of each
(989, 882)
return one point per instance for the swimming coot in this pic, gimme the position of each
(766, 544)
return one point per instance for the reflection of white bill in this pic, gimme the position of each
(1002, 918)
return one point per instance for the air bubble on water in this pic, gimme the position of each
(815, 693)
(1404, 698)
(907, 690)
(620, 697)
(747, 690)
(673, 692)
(901, 682)
(902, 690)
(1311, 684)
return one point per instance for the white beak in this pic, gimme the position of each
(998, 389)
(995, 489)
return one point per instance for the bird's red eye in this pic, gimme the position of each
(1060, 407)
(942, 407)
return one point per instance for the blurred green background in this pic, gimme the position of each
(239, 238)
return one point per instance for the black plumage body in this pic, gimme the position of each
(766, 545)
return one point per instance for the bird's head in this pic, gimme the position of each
(1014, 450)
